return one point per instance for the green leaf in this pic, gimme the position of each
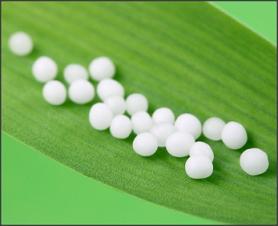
(186, 56)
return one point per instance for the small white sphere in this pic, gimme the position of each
(163, 115)
(116, 104)
(44, 69)
(201, 148)
(81, 91)
(74, 72)
(162, 132)
(54, 92)
(100, 116)
(179, 143)
(212, 128)
(141, 122)
(254, 161)
(234, 135)
(102, 68)
(145, 144)
(198, 167)
(136, 102)
(108, 88)
(190, 124)
(21, 43)
(121, 127)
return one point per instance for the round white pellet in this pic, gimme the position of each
(54, 92)
(145, 144)
(162, 132)
(136, 102)
(201, 148)
(179, 143)
(100, 116)
(74, 72)
(108, 88)
(141, 122)
(21, 43)
(121, 127)
(163, 115)
(44, 69)
(254, 161)
(116, 104)
(198, 167)
(212, 128)
(102, 68)
(234, 135)
(81, 91)
(190, 124)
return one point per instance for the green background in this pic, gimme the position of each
(37, 189)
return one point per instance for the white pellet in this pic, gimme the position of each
(54, 92)
(102, 68)
(162, 132)
(234, 135)
(145, 144)
(201, 148)
(179, 143)
(44, 69)
(190, 124)
(136, 102)
(121, 127)
(198, 167)
(254, 161)
(212, 128)
(108, 88)
(163, 115)
(21, 43)
(141, 122)
(81, 91)
(117, 104)
(74, 72)
(100, 116)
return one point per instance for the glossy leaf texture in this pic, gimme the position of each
(186, 56)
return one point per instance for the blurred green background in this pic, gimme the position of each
(39, 190)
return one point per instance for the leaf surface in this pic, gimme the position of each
(186, 56)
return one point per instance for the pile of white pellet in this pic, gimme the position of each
(124, 115)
